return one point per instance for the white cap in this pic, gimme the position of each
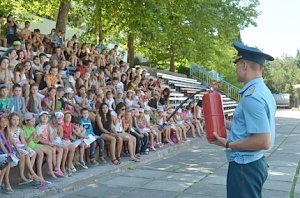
(147, 108)
(44, 112)
(59, 115)
(69, 90)
(179, 110)
(141, 110)
(28, 116)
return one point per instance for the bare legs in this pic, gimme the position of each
(25, 160)
(48, 151)
(131, 145)
(4, 175)
(113, 143)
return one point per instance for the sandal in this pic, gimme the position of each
(23, 182)
(119, 159)
(8, 190)
(115, 161)
(41, 187)
(134, 160)
(58, 173)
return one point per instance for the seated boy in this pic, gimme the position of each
(87, 124)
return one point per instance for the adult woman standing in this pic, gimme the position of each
(11, 30)
(105, 124)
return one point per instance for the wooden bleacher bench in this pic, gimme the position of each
(179, 85)
(170, 77)
(230, 105)
(189, 84)
(229, 102)
(177, 98)
(197, 84)
(176, 94)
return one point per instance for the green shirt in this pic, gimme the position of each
(5, 104)
(27, 130)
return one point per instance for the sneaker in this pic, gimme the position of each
(144, 153)
(147, 150)
(94, 162)
(7, 190)
(66, 174)
(73, 169)
(152, 148)
(82, 164)
(102, 160)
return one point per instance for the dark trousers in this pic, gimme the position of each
(100, 142)
(141, 143)
(144, 143)
(246, 180)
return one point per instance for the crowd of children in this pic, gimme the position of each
(77, 99)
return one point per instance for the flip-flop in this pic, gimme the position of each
(23, 182)
(58, 173)
(135, 160)
(115, 161)
(42, 187)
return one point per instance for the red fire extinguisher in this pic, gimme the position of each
(213, 115)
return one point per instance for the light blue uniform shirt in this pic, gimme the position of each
(254, 114)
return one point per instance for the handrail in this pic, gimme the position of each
(208, 79)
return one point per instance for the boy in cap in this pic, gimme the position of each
(253, 126)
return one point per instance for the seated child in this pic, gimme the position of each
(74, 133)
(45, 131)
(86, 123)
(23, 151)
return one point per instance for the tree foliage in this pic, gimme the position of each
(282, 74)
(168, 32)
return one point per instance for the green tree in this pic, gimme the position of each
(282, 74)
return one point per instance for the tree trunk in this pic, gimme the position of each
(172, 59)
(98, 19)
(62, 17)
(130, 46)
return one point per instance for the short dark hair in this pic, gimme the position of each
(75, 120)
(85, 62)
(59, 89)
(16, 86)
(84, 109)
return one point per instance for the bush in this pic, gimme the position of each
(183, 70)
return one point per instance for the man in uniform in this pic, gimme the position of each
(253, 127)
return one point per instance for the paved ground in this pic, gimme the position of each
(193, 170)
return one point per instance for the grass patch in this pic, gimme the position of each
(292, 192)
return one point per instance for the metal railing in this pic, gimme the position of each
(208, 79)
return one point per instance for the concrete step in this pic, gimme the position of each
(96, 172)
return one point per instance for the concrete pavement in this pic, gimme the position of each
(195, 169)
